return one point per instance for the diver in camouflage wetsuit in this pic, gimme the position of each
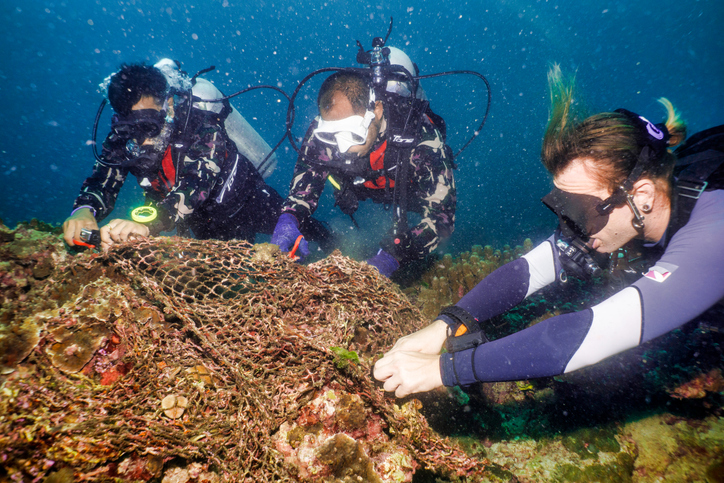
(348, 144)
(189, 168)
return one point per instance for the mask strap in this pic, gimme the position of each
(621, 195)
(165, 108)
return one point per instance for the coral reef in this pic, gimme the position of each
(701, 385)
(452, 277)
(174, 360)
(186, 361)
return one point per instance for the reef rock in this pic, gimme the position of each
(192, 361)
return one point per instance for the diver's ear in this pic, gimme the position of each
(644, 193)
(379, 110)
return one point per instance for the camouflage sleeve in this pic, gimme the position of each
(199, 171)
(431, 193)
(100, 190)
(308, 181)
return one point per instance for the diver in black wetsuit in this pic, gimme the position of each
(194, 175)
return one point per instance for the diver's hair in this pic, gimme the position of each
(607, 139)
(353, 86)
(131, 83)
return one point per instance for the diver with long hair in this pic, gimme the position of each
(616, 181)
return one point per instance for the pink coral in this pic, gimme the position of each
(698, 387)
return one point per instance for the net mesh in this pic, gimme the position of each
(219, 354)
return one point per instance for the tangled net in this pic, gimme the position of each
(207, 361)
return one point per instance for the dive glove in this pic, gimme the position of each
(286, 233)
(385, 263)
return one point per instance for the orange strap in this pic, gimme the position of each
(83, 244)
(461, 330)
(294, 248)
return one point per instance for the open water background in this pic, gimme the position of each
(626, 54)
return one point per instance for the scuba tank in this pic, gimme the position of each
(248, 142)
(208, 98)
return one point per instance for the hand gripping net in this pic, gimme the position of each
(248, 340)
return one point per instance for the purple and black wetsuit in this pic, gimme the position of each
(687, 280)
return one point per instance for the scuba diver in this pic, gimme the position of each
(200, 164)
(379, 141)
(615, 182)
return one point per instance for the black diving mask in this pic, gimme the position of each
(580, 215)
(139, 125)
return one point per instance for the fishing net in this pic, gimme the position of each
(212, 361)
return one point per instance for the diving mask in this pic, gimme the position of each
(580, 215)
(344, 133)
(140, 124)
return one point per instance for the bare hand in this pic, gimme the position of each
(426, 341)
(406, 373)
(83, 218)
(413, 363)
(119, 230)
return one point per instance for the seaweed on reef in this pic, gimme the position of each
(449, 278)
(185, 360)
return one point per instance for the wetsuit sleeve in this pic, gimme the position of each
(432, 193)
(308, 181)
(509, 285)
(100, 190)
(199, 172)
(686, 281)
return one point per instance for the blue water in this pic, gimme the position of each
(626, 54)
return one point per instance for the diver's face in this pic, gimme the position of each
(149, 102)
(342, 109)
(619, 230)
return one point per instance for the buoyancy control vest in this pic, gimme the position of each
(247, 140)
(384, 174)
(699, 168)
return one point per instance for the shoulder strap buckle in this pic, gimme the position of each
(691, 189)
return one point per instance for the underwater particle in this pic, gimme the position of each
(17, 340)
(174, 406)
(73, 349)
